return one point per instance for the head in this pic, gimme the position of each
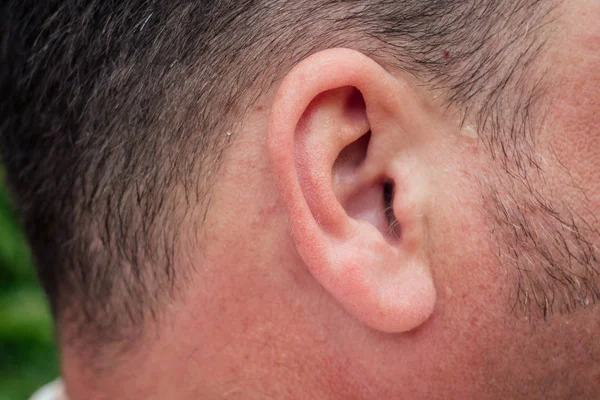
(319, 199)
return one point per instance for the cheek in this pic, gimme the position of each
(572, 137)
(572, 129)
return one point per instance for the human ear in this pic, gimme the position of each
(344, 151)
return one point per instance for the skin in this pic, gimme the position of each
(266, 317)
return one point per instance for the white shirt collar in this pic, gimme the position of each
(52, 391)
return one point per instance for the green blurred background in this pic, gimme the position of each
(27, 351)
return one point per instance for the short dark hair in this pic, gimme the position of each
(113, 115)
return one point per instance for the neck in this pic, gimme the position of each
(213, 352)
(184, 373)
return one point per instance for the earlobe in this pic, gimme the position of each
(330, 145)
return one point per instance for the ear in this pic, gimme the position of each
(344, 147)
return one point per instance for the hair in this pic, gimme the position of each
(112, 116)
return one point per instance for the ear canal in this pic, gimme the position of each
(371, 200)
